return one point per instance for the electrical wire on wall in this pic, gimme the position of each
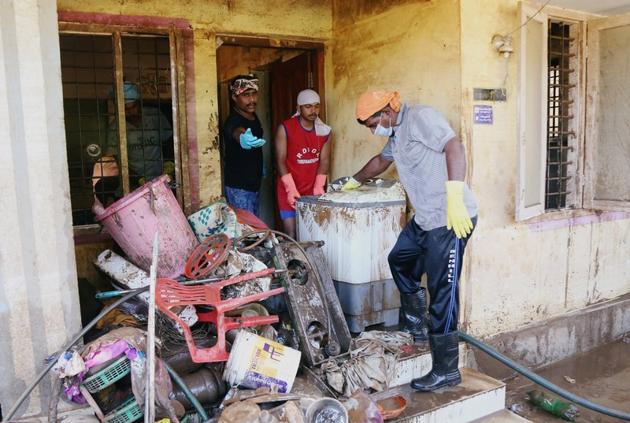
(529, 19)
(503, 43)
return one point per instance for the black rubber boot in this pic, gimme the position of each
(445, 371)
(413, 315)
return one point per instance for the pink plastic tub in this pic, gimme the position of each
(133, 220)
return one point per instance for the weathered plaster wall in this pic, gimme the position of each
(274, 17)
(521, 273)
(288, 19)
(39, 307)
(235, 60)
(410, 46)
(433, 52)
(516, 273)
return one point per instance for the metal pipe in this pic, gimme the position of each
(193, 400)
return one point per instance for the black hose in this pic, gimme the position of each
(76, 339)
(542, 381)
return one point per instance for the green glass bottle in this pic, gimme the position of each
(555, 406)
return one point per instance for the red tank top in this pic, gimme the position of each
(303, 150)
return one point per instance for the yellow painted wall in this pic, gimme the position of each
(410, 46)
(515, 274)
(290, 19)
(434, 52)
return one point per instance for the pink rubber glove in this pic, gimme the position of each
(291, 189)
(320, 185)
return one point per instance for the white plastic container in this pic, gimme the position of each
(256, 361)
(359, 230)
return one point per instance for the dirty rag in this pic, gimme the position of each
(69, 364)
(216, 218)
(371, 364)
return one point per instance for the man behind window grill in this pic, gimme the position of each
(148, 130)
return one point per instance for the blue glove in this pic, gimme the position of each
(249, 140)
(258, 143)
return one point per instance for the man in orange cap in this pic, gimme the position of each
(431, 163)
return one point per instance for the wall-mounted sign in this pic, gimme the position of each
(482, 115)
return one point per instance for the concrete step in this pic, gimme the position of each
(477, 396)
(415, 361)
(503, 416)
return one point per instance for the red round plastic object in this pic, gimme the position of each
(391, 407)
(206, 256)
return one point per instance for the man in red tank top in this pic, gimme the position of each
(302, 157)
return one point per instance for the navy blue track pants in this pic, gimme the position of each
(439, 254)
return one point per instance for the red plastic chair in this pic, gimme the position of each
(171, 294)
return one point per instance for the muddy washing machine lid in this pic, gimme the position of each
(373, 193)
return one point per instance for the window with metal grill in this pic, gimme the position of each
(573, 113)
(104, 161)
(560, 168)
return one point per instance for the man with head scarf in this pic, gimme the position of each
(243, 138)
(431, 163)
(302, 157)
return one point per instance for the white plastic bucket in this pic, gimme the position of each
(256, 361)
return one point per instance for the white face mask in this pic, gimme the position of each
(381, 131)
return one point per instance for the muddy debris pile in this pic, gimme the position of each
(246, 323)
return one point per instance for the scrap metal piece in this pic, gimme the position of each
(312, 302)
(207, 256)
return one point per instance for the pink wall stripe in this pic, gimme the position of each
(578, 221)
(110, 19)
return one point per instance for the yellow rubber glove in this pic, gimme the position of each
(457, 216)
(350, 184)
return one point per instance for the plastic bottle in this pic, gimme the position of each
(555, 406)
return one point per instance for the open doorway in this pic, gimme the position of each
(282, 72)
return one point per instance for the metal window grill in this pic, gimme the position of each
(87, 74)
(88, 78)
(146, 63)
(559, 101)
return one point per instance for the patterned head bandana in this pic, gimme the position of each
(239, 86)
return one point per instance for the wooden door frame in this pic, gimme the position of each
(317, 46)
(180, 35)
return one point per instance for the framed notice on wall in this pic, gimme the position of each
(482, 115)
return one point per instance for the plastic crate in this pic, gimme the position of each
(108, 375)
(128, 411)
